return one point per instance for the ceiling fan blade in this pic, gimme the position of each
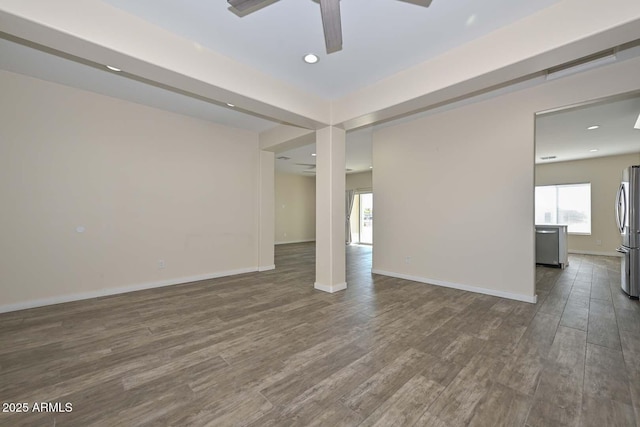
(243, 5)
(330, 10)
(425, 3)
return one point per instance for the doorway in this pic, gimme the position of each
(362, 219)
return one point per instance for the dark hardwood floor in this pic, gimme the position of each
(266, 349)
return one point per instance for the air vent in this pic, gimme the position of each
(283, 158)
(309, 165)
(547, 157)
(582, 64)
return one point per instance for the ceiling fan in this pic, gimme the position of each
(330, 11)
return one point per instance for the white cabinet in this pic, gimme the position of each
(551, 245)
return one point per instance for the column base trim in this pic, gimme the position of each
(267, 267)
(330, 288)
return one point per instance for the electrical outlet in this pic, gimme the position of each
(285, 234)
(407, 260)
(161, 264)
(598, 242)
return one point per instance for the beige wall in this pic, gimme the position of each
(454, 190)
(604, 174)
(359, 181)
(146, 185)
(295, 208)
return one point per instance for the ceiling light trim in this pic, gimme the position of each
(311, 58)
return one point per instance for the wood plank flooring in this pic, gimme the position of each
(266, 349)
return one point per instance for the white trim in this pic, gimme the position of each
(518, 297)
(331, 288)
(598, 253)
(295, 241)
(122, 290)
(267, 267)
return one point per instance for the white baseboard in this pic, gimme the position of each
(122, 290)
(492, 292)
(267, 267)
(294, 241)
(598, 253)
(330, 288)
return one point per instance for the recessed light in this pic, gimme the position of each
(370, 167)
(593, 127)
(310, 58)
(112, 68)
(594, 150)
(230, 104)
(313, 154)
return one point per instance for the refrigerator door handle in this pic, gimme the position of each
(622, 250)
(624, 208)
(619, 199)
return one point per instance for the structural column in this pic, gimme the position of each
(330, 210)
(266, 211)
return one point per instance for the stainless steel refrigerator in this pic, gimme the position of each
(628, 220)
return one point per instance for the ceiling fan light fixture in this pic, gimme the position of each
(329, 11)
(310, 58)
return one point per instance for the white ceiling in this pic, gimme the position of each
(380, 37)
(36, 63)
(564, 133)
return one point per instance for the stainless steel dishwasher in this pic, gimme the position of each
(551, 245)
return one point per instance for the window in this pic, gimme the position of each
(366, 218)
(565, 204)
